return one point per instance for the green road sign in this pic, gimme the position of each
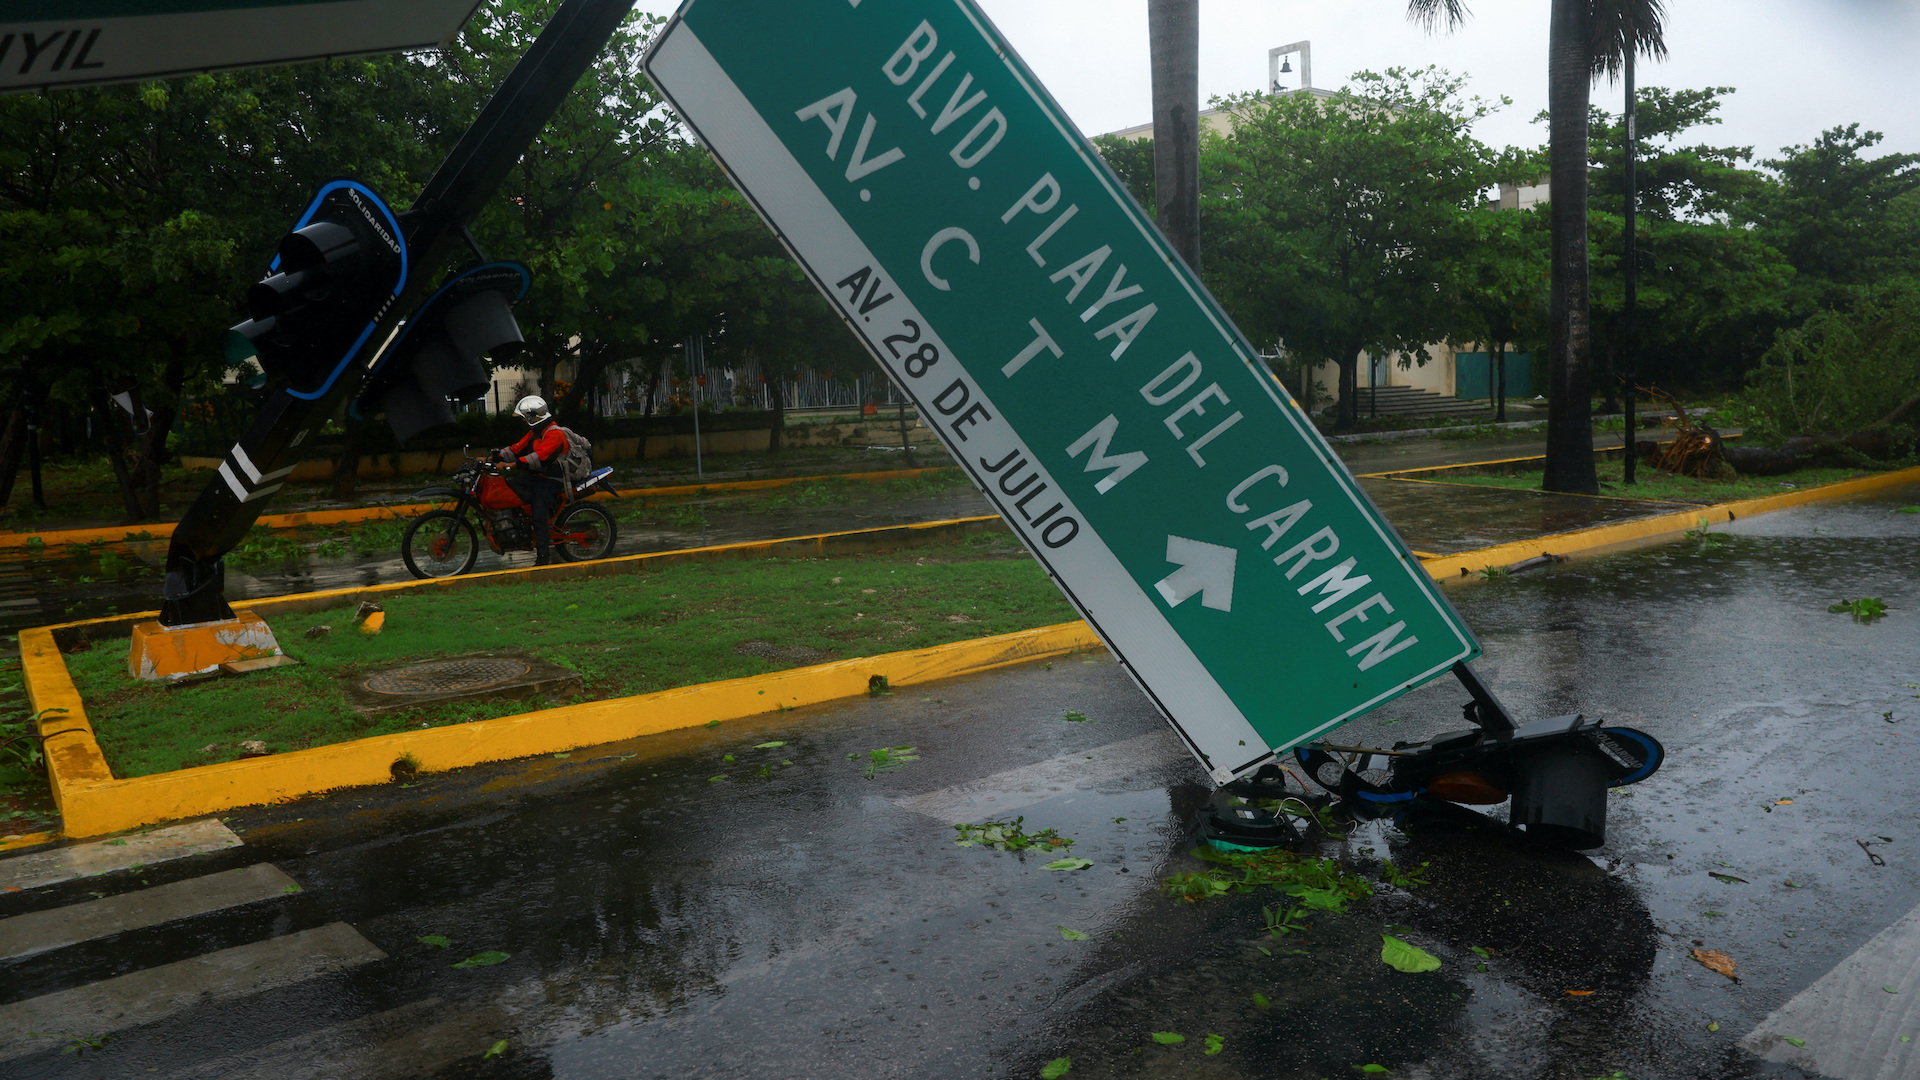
(46, 43)
(1071, 362)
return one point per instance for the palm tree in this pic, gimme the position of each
(1173, 30)
(1587, 38)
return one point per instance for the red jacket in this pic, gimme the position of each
(541, 449)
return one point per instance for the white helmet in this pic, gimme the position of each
(532, 409)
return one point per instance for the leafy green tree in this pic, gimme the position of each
(1497, 288)
(133, 217)
(1711, 292)
(1846, 221)
(1332, 223)
(1844, 371)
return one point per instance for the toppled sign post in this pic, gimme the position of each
(1076, 368)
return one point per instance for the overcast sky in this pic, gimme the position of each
(1798, 66)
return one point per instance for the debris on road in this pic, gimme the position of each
(1715, 960)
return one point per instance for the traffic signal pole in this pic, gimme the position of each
(429, 234)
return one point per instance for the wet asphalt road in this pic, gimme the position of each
(672, 914)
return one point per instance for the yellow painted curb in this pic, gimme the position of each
(91, 804)
(26, 840)
(1641, 530)
(351, 515)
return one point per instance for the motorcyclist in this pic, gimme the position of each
(542, 453)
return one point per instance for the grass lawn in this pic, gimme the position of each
(1653, 484)
(267, 546)
(632, 634)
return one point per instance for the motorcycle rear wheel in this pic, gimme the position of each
(439, 544)
(596, 528)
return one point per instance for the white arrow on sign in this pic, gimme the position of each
(1206, 569)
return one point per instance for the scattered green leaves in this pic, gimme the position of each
(1401, 956)
(484, 959)
(1168, 1038)
(438, 941)
(1260, 1001)
(1282, 920)
(1794, 1041)
(1057, 1068)
(1371, 1070)
(768, 745)
(1067, 934)
(1319, 883)
(1865, 609)
(1704, 538)
(885, 759)
(76, 1044)
(1481, 952)
(1215, 1043)
(1075, 717)
(1069, 864)
(1403, 879)
(1008, 836)
(495, 1050)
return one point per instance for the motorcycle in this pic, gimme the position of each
(443, 543)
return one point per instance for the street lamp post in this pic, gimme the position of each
(1629, 269)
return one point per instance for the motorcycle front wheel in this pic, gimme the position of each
(439, 543)
(585, 531)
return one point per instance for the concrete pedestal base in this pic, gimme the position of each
(174, 652)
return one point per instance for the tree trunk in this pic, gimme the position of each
(106, 409)
(12, 445)
(1173, 30)
(779, 397)
(150, 435)
(1569, 464)
(1499, 372)
(1347, 415)
(590, 370)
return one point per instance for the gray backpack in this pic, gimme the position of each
(579, 460)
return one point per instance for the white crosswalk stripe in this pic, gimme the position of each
(996, 795)
(1848, 1024)
(38, 868)
(153, 994)
(143, 997)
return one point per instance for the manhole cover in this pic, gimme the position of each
(448, 676)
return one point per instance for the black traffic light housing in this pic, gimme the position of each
(326, 289)
(439, 357)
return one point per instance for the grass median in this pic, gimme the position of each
(1656, 485)
(633, 634)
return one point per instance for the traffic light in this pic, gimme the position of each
(333, 278)
(439, 358)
